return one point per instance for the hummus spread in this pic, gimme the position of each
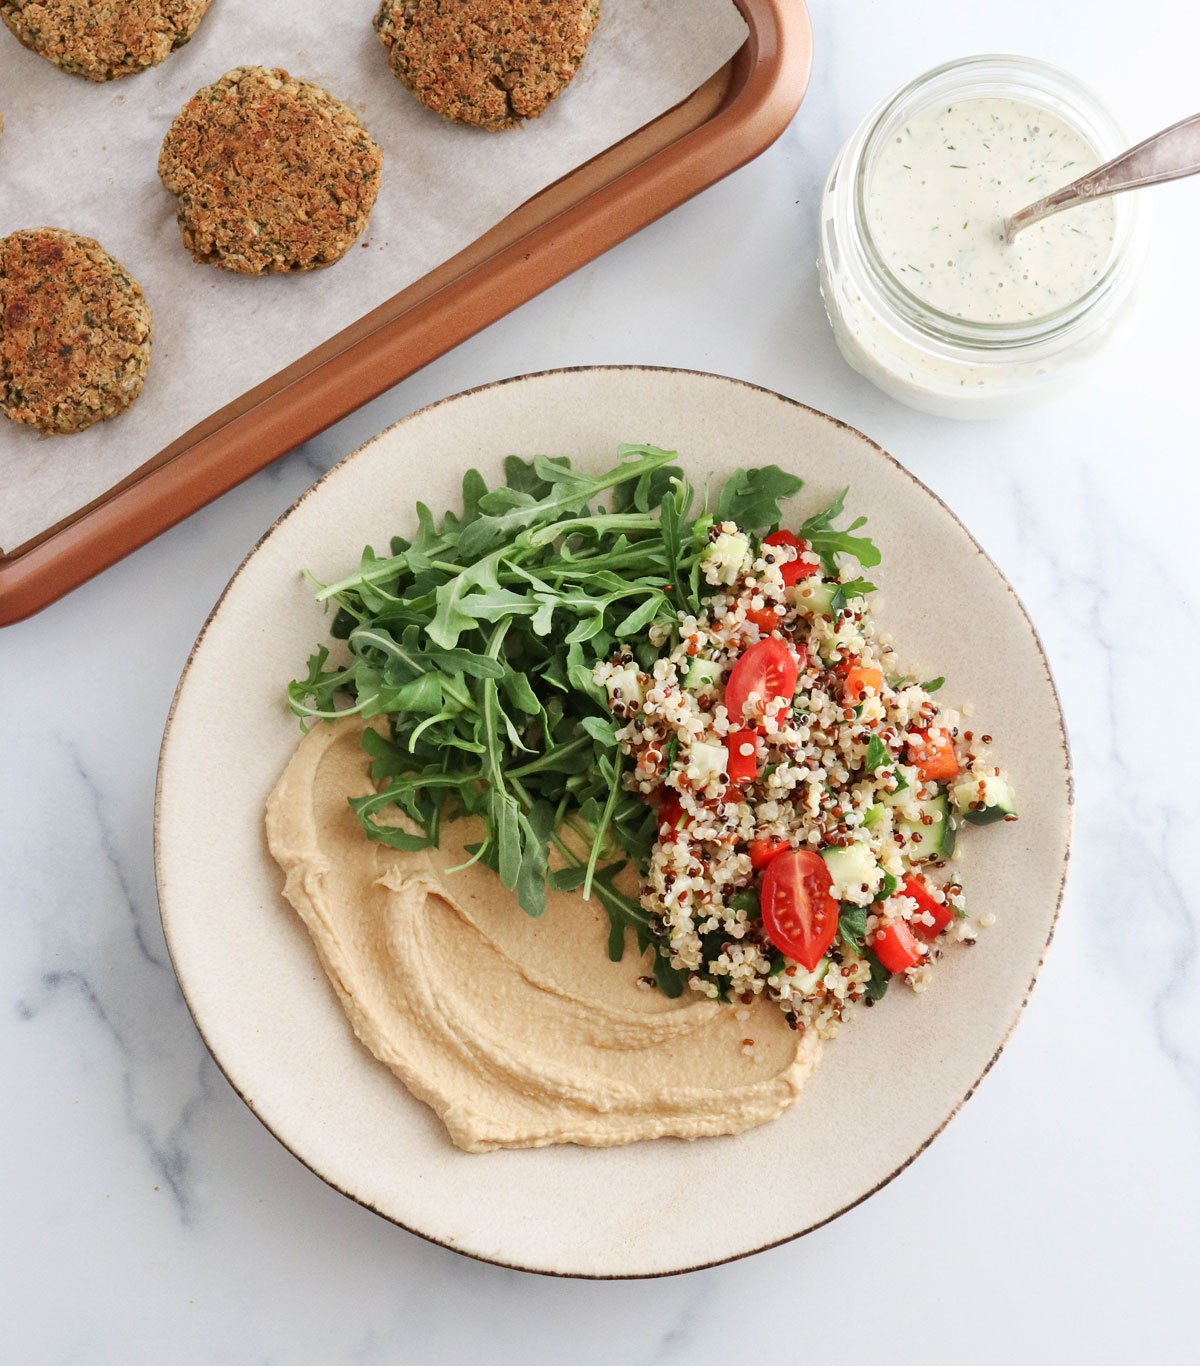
(518, 1032)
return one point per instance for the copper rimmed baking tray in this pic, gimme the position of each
(727, 122)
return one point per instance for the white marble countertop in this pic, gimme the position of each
(147, 1215)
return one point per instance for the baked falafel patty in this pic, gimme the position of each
(490, 63)
(272, 173)
(75, 331)
(103, 39)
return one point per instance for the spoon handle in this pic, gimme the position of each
(1169, 155)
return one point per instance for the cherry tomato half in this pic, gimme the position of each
(768, 668)
(799, 913)
(896, 947)
(799, 568)
(932, 753)
(782, 537)
(740, 767)
(917, 888)
(763, 851)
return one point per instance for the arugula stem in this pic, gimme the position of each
(419, 730)
(604, 521)
(602, 829)
(491, 705)
(550, 757)
(382, 569)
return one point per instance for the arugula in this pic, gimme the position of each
(751, 498)
(472, 646)
(852, 588)
(819, 531)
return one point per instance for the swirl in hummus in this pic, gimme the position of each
(517, 1032)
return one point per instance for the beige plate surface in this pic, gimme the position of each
(261, 1001)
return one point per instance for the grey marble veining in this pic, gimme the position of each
(149, 1218)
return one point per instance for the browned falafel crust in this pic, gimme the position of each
(75, 331)
(491, 63)
(272, 173)
(103, 39)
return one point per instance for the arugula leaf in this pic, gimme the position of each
(852, 588)
(568, 879)
(570, 491)
(820, 533)
(392, 835)
(522, 475)
(670, 980)
(751, 498)
(537, 828)
(605, 732)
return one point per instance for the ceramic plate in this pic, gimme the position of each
(262, 1002)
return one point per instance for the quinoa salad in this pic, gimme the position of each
(673, 700)
(807, 790)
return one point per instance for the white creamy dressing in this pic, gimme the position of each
(940, 188)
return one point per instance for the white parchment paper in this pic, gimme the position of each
(84, 156)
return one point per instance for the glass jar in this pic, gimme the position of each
(931, 359)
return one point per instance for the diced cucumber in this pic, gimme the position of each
(706, 762)
(991, 790)
(803, 982)
(851, 868)
(624, 685)
(814, 596)
(874, 816)
(702, 673)
(933, 841)
(843, 641)
(722, 561)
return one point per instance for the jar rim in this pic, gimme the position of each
(1090, 117)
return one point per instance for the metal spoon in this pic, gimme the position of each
(1169, 155)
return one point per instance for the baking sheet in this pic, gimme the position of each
(84, 156)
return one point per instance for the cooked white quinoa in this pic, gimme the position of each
(811, 790)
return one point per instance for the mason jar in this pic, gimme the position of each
(920, 353)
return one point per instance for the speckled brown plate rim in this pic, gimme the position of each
(1064, 741)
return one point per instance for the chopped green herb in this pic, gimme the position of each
(878, 754)
(886, 888)
(880, 977)
(852, 927)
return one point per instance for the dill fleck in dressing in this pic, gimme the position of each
(941, 187)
